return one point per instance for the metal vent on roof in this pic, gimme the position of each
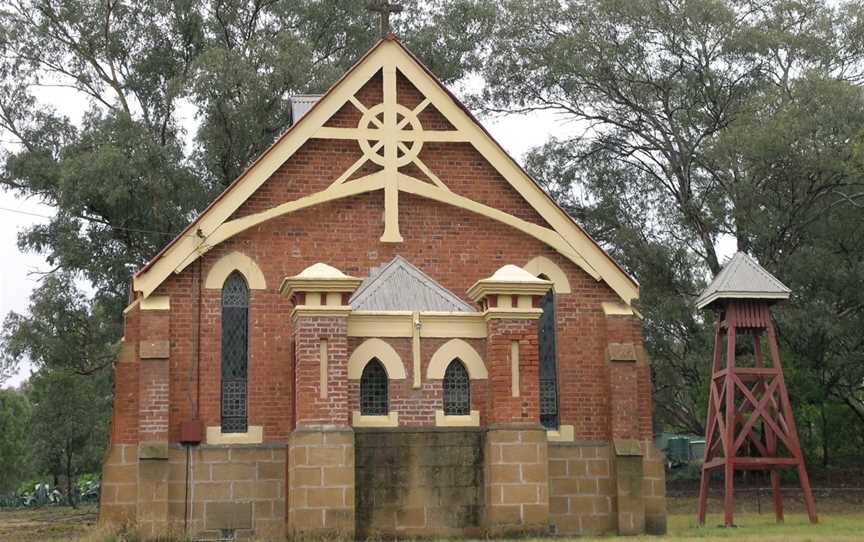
(301, 104)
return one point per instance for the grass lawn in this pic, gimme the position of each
(796, 528)
(838, 523)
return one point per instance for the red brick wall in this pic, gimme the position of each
(417, 407)
(153, 400)
(583, 375)
(624, 400)
(154, 325)
(311, 408)
(318, 162)
(153, 379)
(628, 329)
(503, 407)
(453, 246)
(124, 422)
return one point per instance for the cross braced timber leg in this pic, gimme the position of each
(713, 416)
(803, 478)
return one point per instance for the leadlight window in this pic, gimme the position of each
(548, 363)
(457, 390)
(374, 400)
(235, 353)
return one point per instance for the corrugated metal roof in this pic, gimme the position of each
(399, 286)
(301, 104)
(743, 278)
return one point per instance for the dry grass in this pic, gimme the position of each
(839, 522)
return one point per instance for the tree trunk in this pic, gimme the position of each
(824, 434)
(70, 494)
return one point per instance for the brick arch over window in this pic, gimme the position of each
(541, 265)
(380, 350)
(239, 262)
(452, 349)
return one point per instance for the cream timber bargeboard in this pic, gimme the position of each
(394, 141)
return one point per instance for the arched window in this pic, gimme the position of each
(548, 362)
(235, 353)
(457, 390)
(374, 399)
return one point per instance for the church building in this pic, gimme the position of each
(383, 327)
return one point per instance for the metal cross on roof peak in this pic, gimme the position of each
(384, 9)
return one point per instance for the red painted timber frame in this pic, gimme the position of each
(766, 401)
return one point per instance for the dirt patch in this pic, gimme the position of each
(48, 523)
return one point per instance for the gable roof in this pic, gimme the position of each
(213, 226)
(743, 278)
(400, 286)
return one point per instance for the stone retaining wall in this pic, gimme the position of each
(232, 490)
(517, 489)
(419, 483)
(654, 489)
(118, 501)
(321, 478)
(585, 497)
(238, 488)
(581, 492)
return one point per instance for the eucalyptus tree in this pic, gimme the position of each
(15, 415)
(179, 97)
(704, 122)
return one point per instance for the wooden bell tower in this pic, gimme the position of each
(750, 423)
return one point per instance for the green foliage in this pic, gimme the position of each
(69, 424)
(70, 339)
(64, 331)
(704, 121)
(15, 416)
(128, 177)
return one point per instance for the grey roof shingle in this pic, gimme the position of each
(400, 286)
(743, 278)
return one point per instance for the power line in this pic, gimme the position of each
(134, 230)
(28, 213)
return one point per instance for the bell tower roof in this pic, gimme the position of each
(743, 278)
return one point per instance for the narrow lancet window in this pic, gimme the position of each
(235, 353)
(548, 363)
(457, 390)
(374, 399)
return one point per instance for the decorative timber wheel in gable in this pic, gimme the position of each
(391, 136)
(408, 142)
